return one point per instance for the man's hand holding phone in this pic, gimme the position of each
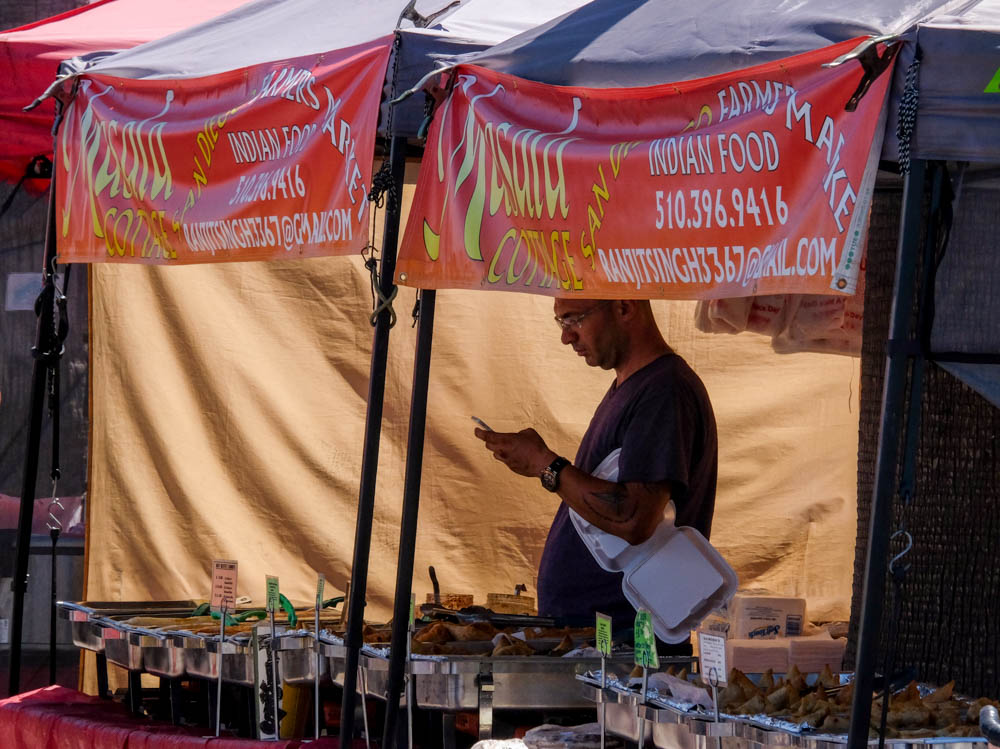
(522, 452)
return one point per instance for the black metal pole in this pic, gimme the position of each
(408, 524)
(893, 406)
(44, 338)
(369, 459)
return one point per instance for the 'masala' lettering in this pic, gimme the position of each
(114, 158)
(518, 169)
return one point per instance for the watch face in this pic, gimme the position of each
(550, 479)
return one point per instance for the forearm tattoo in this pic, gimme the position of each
(621, 504)
(614, 506)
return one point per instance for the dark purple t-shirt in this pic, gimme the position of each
(662, 420)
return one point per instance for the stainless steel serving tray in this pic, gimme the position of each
(623, 709)
(519, 682)
(298, 660)
(202, 657)
(837, 741)
(163, 654)
(84, 615)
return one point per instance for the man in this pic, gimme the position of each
(658, 412)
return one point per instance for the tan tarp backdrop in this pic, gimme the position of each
(228, 408)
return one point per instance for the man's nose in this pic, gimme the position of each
(568, 336)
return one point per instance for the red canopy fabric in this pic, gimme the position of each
(30, 56)
(59, 717)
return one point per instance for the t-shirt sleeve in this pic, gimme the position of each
(659, 436)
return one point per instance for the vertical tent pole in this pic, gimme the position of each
(369, 460)
(43, 339)
(408, 524)
(893, 406)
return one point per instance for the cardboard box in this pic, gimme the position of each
(812, 654)
(763, 616)
(716, 623)
(756, 656)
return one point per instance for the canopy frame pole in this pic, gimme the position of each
(408, 524)
(369, 459)
(44, 337)
(893, 406)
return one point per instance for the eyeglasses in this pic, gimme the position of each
(572, 322)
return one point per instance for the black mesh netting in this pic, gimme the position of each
(948, 627)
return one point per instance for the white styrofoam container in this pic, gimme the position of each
(676, 574)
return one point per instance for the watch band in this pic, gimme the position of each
(550, 474)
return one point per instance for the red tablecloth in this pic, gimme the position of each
(59, 718)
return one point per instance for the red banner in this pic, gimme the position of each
(755, 182)
(272, 161)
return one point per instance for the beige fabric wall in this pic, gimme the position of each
(228, 420)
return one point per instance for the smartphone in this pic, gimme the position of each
(482, 423)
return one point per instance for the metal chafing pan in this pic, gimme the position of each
(807, 741)
(669, 728)
(298, 661)
(84, 615)
(455, 682)
(117, 647)
(202, 657)
(626, 716)
(163, 653)
(623, 710)
(374, 678)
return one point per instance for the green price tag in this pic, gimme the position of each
(272, 593)
(413, 606)
(603, 631)
(645, 641)
(320, 584)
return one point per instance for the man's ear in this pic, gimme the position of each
(627, 309)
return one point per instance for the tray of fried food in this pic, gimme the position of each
(126, 608)
(939, 714)
(191, 623)
(483, 638)
(824, 706)
(788, 703)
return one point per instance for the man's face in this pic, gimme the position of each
(589, 327)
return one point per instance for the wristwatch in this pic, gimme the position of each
(550, 474)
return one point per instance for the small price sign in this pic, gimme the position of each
(712, 659)
(603, 634)
(224, 584)
(320, 584)
(645, 641)
(273, 594)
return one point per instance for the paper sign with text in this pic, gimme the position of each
(267, 162)
(754, 182)
(603, 634)
(712, 659)
(224, 584)
(645, 641)
(320, 584)
(273, 594)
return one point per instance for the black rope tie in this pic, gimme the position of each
(383, 186)
(384, 302)
(416, 312)
(383, 190)
(907, 118)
